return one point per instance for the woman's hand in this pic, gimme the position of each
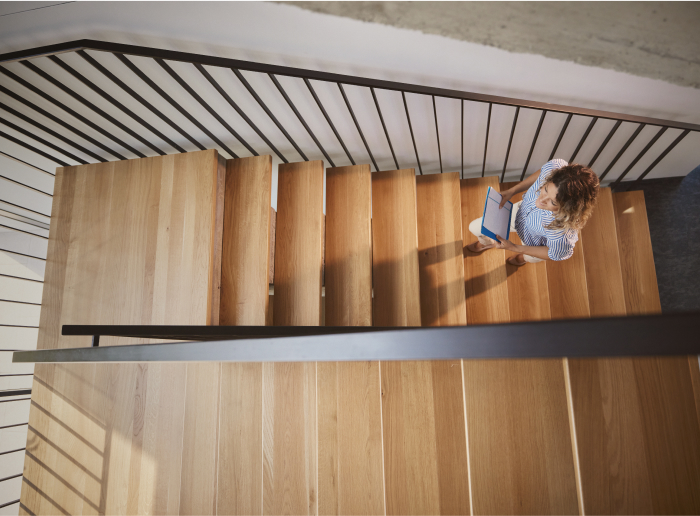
(504, 244)
(506, 197)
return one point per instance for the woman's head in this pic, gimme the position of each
(570, 193)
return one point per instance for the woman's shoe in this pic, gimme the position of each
(512, 261)
(471, 249)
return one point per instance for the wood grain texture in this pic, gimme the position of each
(132, 242)
(349, 427)
(484, 274)
(273, 233)
(638, 435)
(298, 252)
(602, 260)
(519, 438)
(289, 439)
(568, 291)
(395, 249)
(348, 272)
(246, 241)
(695, 380)
(637, 425)
(440, 259)
(350, 471)
(528, 292)
(240, 444)
(636, 255)
(425, 455)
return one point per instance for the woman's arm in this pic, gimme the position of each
(539, 251)
(520, 187)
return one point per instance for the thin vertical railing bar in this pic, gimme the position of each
(116, 80)
(14, 374)
(648, 146)
(328, 119)
(21, 254)
(22, 231)
(661, 156)
(294, 109)
(622, 151)
(25, 208)
(25, 186)
(11, 477)
(22, 218)
(279, 87)
(357, 124)
(534, 142)
(16, 325)
(14, 392)
(21, 278)
(137, 71)
(561, 135)
(238, 110)
(462, 139)
(386, 132)
(7, 504)
(486, 140)
(71, 112)
(10, 401)
(54, 118)
(410, 128)
(53, 133)
(39, 139)
(13, 158)
(18, 449)
(115, 102)
(262, 104)
(605, 142)
(510, 141)
(437, 132)
(583, 138)
(19, 302)
(41, 73)
(165, 66)
(33, 149)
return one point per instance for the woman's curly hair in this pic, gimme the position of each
(577, 193)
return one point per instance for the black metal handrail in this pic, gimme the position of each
(160, 56)
(648, 335)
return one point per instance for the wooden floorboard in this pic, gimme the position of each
(350, 471)
(521, 458)
(484, 274)
(528, 291)
(636, 418)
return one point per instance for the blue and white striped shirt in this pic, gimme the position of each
(530, 221)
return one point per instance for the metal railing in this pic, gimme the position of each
(648, 335)
(117, 147)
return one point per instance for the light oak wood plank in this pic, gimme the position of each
(519, 440)
(133, 243)
(484, 274)
(636, 255)
(348, 272)
(602, 260)
(350, 472)
(528, 292)
(245, 299)
(440, 258)
(289, 439)
(568, 291)
(246, 241)
(637, 425)
(395, 249)
(290, 466)
(298, 244)
(349, 426)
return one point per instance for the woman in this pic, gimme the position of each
(558, 202)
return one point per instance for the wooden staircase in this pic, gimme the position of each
(446, 437)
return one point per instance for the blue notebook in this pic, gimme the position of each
(496, 221)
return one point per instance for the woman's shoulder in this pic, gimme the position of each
(551, 166)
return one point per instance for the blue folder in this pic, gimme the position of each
(490, 204)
